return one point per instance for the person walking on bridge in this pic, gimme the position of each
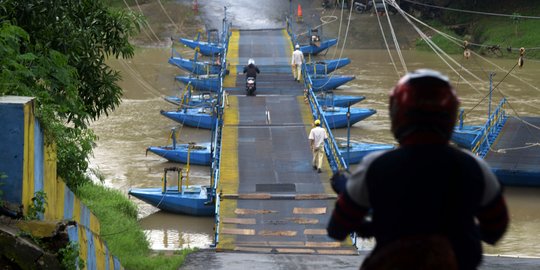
(296, 63)
(429, 203)
(317, 135)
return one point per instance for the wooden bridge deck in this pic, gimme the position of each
(272, 201)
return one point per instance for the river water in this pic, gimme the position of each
(136, 124)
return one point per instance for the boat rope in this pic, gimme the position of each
(388, 47)
(178, 28)
(136, 75)
(474, 12)
(458, 42)
(438, 51)
(143, 29)
(146, 22)
(396, 43)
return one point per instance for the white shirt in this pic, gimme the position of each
(297, 57)
(318, 135)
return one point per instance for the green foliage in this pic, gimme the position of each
(37, 208)
(56, 51)
(69, 257)
(119, 227)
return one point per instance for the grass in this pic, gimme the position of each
(124, 236)
(507, 32)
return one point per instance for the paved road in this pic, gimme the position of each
(209, 259)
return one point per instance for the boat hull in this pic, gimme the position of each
(212, 84)
(327, 83)
(357, 151)
(205, 48)
(198, 117)
(198, 68)
(313, 49)
(193, 201)
(339, 100)
(200, 154)
(195, 100)
(327, 66)
(337, 117)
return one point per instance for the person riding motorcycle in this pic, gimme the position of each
(251, 70)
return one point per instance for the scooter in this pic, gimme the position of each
(250, 86)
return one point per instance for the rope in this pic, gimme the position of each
(146, 23)
(473, 12)
(144, 30)
(396, 43)
(388, 47)
(170, 19)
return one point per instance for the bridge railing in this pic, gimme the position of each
(217, 130)
(482, 142)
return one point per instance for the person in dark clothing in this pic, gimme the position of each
(425, 189)
(251, 70)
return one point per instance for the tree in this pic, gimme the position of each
(56, 51)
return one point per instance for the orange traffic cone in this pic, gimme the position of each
(299, 14)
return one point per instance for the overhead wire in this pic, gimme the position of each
(455, 40)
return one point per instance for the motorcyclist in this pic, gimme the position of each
(251, 70)
(431, 204)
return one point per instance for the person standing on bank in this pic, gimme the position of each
(296, 63)
(317, 135)
(429, 203)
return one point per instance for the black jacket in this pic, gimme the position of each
(251, 70)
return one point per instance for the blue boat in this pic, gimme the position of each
(336, 117)
(205, 48)
(325, 83)
(195, 117)
(358, 150)
(191, 100)
(315, 49)
(328, 99)
(195, 200)
(326, 66)
(202, 83)
(188, 153)
(195, 67)
(464, 136)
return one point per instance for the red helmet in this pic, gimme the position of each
(423, 101)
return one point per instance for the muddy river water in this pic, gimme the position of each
(137, 123)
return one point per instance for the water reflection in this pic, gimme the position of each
(171, 232)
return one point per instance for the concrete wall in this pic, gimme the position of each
(30, 167)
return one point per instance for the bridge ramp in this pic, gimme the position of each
(272, 201)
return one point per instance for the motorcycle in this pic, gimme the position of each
(250, 86)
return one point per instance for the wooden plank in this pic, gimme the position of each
(286, 243)
(245, 221)
(238, 231)
(315, 231)
(255, 196)
(277, 233)
(304, 220)
(323, 244)
(253, 249)
(313, 211)
(295, 250)
(315, 196)
(337, 251)
(241, 211)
